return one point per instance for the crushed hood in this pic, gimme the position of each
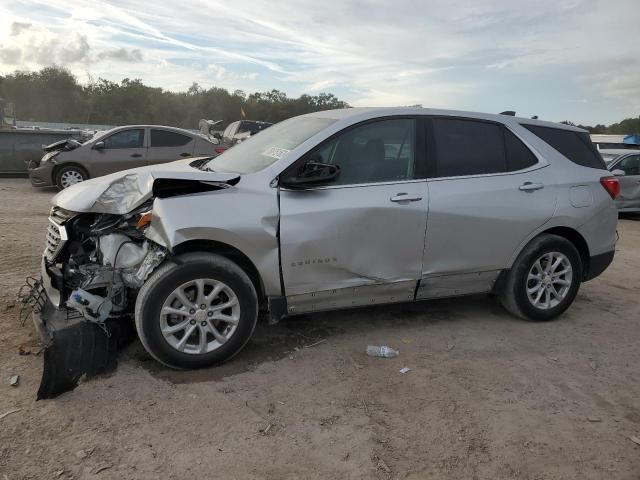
(66, 144)
(121, 192)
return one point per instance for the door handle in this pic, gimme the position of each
(185, 154)
(405, 197)
(530, 187)
(136, 155)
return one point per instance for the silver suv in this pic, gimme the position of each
(331, 210)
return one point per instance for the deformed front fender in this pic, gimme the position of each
(241, 217)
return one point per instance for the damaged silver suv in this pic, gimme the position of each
(325, 211)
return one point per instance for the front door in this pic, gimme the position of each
(487, 193)
(357, 240)
(629, 198)
(122, 150)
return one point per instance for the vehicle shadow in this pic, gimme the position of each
(274, 342)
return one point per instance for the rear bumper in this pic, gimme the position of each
(598, 264)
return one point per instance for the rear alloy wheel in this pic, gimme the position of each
(549, 280)
(196, 312)
(544, 280)
(70, 175)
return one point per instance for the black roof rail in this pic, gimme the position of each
(511, 113)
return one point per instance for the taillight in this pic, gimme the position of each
(611, 185)
(219, 149)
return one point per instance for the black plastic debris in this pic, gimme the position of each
(82, 349)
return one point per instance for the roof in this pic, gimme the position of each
(166, 127)
(373, 112)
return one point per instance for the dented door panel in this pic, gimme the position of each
(337, 238)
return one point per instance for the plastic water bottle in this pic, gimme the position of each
(383, 351)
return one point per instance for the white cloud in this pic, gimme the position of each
(440, 53)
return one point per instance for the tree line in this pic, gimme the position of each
(626, 126)
(54, 94)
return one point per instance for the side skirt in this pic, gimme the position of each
(361, 296)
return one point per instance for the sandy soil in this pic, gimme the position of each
(488, 396)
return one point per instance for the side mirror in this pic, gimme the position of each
(618, 173)
(98, 145)
(312, 173)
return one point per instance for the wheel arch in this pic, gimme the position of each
(60, 166)
(577, 240)
(568, 233)
(230, 252)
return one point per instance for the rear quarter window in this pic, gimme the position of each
(576, 146)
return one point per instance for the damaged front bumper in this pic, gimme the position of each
(74, 346)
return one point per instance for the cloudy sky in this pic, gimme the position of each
(559, 59)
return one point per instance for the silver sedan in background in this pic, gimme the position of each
(625, 164)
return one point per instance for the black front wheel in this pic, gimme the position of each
(544, 279)
(196, 312)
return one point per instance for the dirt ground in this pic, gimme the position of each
(488, 396)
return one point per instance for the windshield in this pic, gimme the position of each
(268, 146)
(99, 134)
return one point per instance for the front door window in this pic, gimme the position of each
(126, 139)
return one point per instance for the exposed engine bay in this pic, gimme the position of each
(104, 259)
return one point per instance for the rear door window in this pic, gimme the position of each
(576, 146)
(166, 138)
(468, 147)
(126, 139)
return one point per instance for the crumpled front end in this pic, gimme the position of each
(92, 268)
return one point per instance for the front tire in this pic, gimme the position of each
(196, 312)
(544, 280)
(70, 175)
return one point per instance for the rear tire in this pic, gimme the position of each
(544, 279)
(70, 175)
(196, 312)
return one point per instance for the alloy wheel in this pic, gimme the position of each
(549, 280)
(199, 316)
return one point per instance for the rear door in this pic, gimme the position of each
(629, 198)
(122, 150)
(168, 145)
(357, 240)
(487, 193)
